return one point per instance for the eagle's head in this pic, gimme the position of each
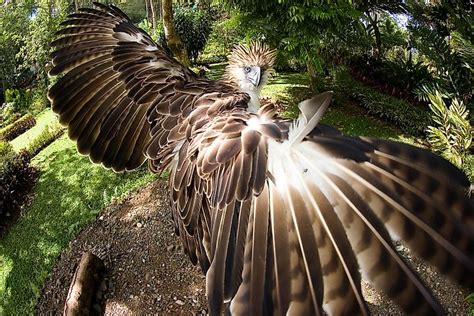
(250, 66)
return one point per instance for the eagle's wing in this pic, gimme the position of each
(120, 91)
(284, 218)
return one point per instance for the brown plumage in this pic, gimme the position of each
(282, 216)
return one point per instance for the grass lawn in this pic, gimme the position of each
(352, 120)
(45, 119)
(71, 192)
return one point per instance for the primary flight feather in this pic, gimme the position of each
(284, 217)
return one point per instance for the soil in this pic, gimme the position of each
(148, 273)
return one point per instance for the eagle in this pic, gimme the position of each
(283, 216)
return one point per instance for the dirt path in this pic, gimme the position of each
(149, 274)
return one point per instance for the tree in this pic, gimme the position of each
(296, 28)
(174, 42)
(440, 33)
(374, 11)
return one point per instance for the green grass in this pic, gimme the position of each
(70, 193)
(351, 119)
(45, 119)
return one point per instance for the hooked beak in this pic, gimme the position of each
(254, 76)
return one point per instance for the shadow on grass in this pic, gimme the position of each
(70, 193)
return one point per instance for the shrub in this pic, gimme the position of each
(410, 118)
(452, 137)
(17, 178)
(6, 153)
(400, 77)
(19, 98)
(18, 127)
(50, 134)
(8, 115)
(193, 27)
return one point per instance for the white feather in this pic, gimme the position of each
(312, 111)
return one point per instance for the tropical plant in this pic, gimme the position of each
(452, 137)
(438, 33)
(226, 33)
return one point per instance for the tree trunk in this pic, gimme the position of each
(147, 12)
(84, 285)
(174, 42)
(158, 10)
(312, 74)
(153, 17)
(378, 39)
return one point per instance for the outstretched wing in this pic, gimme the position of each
(286, 217)
(119, 90)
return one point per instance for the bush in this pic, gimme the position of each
(17, 178)
(8, 115)
(6, 153)
(410, 118)
(400, 77)
(50, 134)
(20, 99)
(18, 127)
(193, 27)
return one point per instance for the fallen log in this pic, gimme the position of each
(84, 285)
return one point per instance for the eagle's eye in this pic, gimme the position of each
(247, 69)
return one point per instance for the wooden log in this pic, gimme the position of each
(84, 285)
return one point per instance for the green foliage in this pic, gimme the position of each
(18, 127)
(43, 120)
(26, 29)
(410, 118)
(47, 136)
(404, 73)
(8, 115)
(13, 33)
(439, 34)
(19, 99)
(226, 33)
(148, 27)
(452, 135)
(401, 77)
(296, 28)
(17, 178)
(6, 153)
(470, 300)
(193, 27)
